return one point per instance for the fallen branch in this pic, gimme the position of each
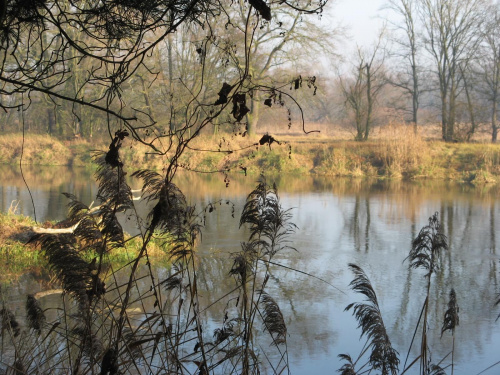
(49, 292)
(40, 230)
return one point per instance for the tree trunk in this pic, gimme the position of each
(369, 99)
(414, 99)
(170, 78)
(253, 115)
(78, 128)
(145, 94)
(444, 118)
(51, 121)
(359, 124)
(494, 127)
(451, 118)
(470, 108)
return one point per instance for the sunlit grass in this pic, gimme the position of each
(394, 152)
(37, 150)
(18, 255)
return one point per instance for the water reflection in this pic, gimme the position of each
(46, 185)
(370, 223)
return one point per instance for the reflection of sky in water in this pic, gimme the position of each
(341, 224)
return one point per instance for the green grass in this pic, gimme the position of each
(17, 256)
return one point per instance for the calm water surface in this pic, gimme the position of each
(340, 222)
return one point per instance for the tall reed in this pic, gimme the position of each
(424, 253)
(450, 322)
(383, 356)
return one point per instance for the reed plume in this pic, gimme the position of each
(74, 273)
(425, 252)
(273, 318)
(348, 367)
(172, 282)
(90, 344)
(171, 213)
(221, 334)
(269, 223)
(111, 228)
(35, 317)
(427, 246)
(383, 356)
(9, 323)
(243, 262)
(113, 189)
(451, 318)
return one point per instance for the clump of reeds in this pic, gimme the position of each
(150, 323)
(424, 253)
(383, 356)
(269, 227)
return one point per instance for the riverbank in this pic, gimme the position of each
(398, 154)
(17, 254)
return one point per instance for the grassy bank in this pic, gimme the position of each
(17, 255)
(396, 153)
(44, 150)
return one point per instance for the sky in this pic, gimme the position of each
(362, 17)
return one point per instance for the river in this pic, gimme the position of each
(340, 221)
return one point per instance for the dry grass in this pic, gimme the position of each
(429, 132)
(38, 150)
(404, 152)
(393, 151)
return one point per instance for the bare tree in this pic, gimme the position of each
(473, 105)
(489, 65)
(280, 45)
(362, 89)
(451, 37)
(407, 50)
